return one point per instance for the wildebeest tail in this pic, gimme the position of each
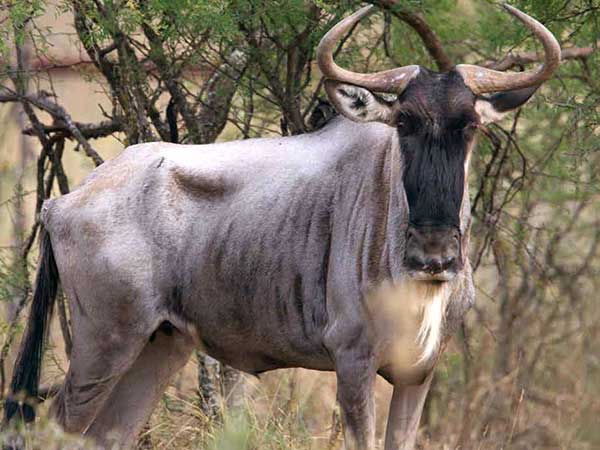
(26, 375)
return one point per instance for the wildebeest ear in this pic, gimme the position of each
(359, 104)
(495, 107)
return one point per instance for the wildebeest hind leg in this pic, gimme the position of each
(95, 367)
(133, 399)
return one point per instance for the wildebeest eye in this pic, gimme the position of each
(406, 125)
(464, 124)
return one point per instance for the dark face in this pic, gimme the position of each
(436, 122)
(436, 117)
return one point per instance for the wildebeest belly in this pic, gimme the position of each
(254, 331)
(259, 350)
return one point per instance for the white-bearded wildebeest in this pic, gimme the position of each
(273, 253)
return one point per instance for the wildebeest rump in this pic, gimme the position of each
(272, 253)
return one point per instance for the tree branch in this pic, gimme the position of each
(169, 75)
(88, 130)
(417, 22)
(520, 59)
(59, 113)
(220, 87)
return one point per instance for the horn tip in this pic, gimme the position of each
(362, 12)
(509, 8)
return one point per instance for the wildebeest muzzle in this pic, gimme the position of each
(433, 253)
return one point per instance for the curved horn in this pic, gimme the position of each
(391, 81)
(481, 80)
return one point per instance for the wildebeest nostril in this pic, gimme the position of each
(447, 262)
(433, 266)
(431, 250)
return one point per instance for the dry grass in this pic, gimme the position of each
(292, 410)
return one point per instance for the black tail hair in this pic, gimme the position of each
(26, 375)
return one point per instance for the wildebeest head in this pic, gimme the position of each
(436, 116)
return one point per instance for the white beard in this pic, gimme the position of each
(406, 320)
(434, 302)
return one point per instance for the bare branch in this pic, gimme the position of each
(169, 75)
(520, 59)
(88, 130)
(417, 22)
(64, 323)
(59, 113)
(219, 88)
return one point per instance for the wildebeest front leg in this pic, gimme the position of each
(355, 378)
(405, 414)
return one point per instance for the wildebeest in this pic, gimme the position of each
(305, 251)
